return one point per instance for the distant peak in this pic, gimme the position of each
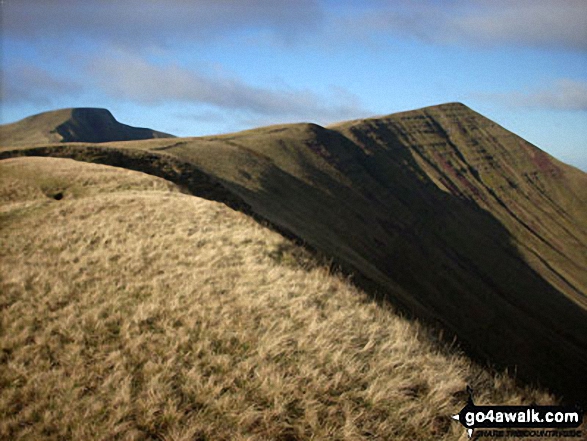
(84, 111)
(77, 124)
(93, 115)
(453, 104)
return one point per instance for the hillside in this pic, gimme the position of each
(130, 310)
(439, 211)
(72, 125)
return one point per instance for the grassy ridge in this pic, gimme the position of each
(129, 310)
(453, 217)
(441, 211)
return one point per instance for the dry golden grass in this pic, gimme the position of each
(131, 311)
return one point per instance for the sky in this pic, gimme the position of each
(201, 67)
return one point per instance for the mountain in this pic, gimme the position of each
(438, 211)
(72, 125)
(131, 310)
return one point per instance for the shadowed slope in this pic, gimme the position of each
(451, 216)
(540, 200)
(440, 211)
(72, 125)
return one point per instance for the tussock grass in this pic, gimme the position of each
(131, 311)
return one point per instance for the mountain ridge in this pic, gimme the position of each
(439, 210)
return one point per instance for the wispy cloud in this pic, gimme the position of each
(26, 82)
(158, 23)
(538, 23)
(481, 23)
(140, 23)
(127, 76)
(563, 94)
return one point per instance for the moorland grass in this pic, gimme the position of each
(131, 311)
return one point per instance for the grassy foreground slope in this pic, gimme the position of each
(129, 310)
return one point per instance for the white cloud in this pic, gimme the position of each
(540, 23)
(25, 82)
(563, 94)
(157, 23)
(144, 23)
(482, 23)
(126, 76)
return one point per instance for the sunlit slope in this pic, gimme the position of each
(72, 125)
(129, 310)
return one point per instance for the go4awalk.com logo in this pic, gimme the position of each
(521, 417)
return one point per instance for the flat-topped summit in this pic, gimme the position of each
(83, 124)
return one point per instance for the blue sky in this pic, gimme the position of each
(201, 67)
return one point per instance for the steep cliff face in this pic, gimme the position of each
(72, 125)
(539, 200)
(440, 211)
